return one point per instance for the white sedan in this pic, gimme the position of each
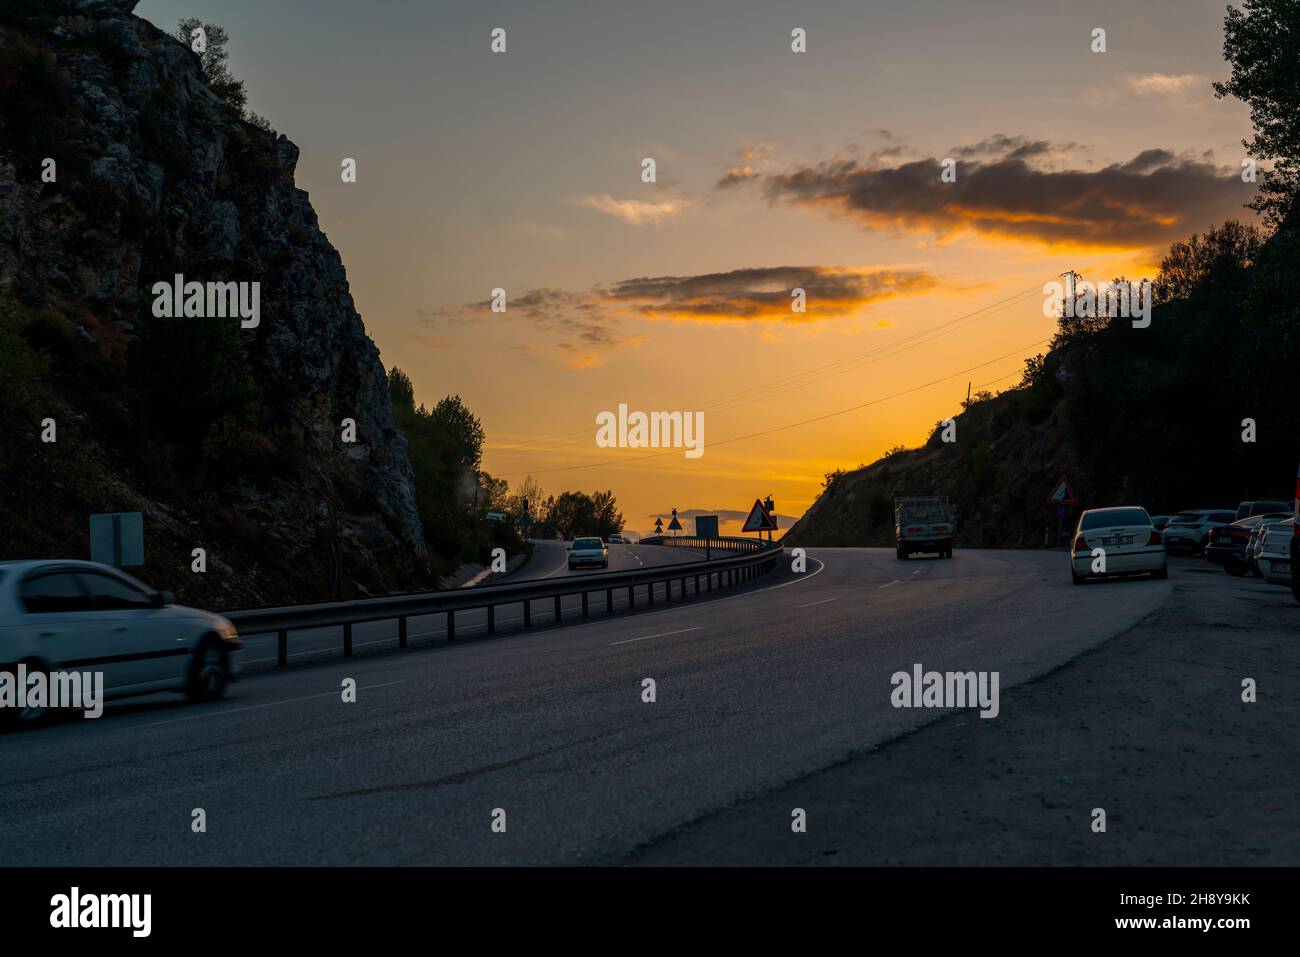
(80, 616)
(588, 551)
(1116, 541)
(1274, 556)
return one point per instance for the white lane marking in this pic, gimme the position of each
(822, 602)
(896, 581)
(269, 704)
(917, 572)
(662, 634)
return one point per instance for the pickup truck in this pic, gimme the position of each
(924, 524)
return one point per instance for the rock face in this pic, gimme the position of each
(155, 176)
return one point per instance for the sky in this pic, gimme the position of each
(774, 170)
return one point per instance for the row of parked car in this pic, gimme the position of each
(1255, 538)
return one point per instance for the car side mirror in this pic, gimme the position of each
(160, 599)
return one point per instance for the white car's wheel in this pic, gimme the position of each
(27, 717)
(209, 672)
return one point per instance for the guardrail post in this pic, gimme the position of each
(282, 648)
(697, 584)
(650, 592)
(347, 640)
(558, 614)
(451, 626)
(683, 583)
(631, 596)
(401, 632)
(492, 619)
(609, 600)
(584, 605)
(528, 614)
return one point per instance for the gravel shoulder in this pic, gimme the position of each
(1150, 726)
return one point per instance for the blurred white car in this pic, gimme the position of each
(588, 551)
(1129, 542)
(1190, 531)
(1273, 558)
(616, 539)
(88, 617)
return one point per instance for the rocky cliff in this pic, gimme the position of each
(120, 168)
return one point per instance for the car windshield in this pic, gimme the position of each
(587, 543)
(1186, 518)
(1111, 517)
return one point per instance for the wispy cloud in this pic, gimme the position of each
(635, 212)
(585, 326)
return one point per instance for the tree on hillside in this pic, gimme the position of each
(1223, 255)
(213, 57)
(1261, 40)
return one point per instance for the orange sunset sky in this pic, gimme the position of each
(775, 169)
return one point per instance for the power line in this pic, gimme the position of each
(768, 389)
(791, 425)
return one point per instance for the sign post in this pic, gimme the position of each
(1063, 498)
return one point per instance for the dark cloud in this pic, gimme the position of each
(1007, 187)
(765, 293)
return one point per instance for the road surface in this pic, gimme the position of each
(775, 680)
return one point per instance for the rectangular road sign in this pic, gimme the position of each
(117, 538)
(706, 526)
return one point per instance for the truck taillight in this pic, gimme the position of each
(1154, 539)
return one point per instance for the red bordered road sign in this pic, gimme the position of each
(758, 520)
(1062, 494)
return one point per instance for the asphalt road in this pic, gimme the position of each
(776, 680)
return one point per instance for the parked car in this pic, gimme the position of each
(588, 551)
(1227, 544)
(1130, 543)
(1188, 531)
(1274, 557)
(1158, 522)
(1262, 507)
(84, 616)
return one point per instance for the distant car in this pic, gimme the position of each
(1227, 544)
(1262, 507)
(1274, 556)
(84, 616)
(616, 539)
(1129, 541)
(1188, 531)
(1158, 522)
(588, 551)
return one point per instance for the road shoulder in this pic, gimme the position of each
(1150, 726)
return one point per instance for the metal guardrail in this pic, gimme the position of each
(727, 544)
(733, 570)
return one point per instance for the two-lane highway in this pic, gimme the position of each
(751, 689)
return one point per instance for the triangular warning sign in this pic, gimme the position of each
(674, 525)
(759, 520)
(1062, 494)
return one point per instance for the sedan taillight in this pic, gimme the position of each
(1080, 545)
(1155, 538)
